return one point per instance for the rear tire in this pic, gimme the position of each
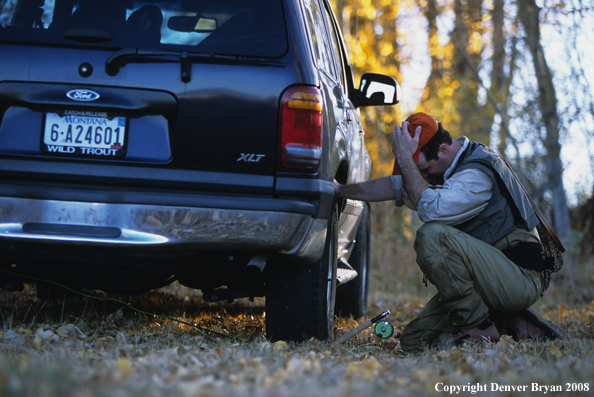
(300, 297)
(351, 298)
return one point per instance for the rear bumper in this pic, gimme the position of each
(160, 226)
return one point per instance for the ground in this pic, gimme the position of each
(88, 347)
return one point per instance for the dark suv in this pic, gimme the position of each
(143, 142)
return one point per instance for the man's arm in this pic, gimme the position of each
(403, 147)
(375, 190)
(462, 197)
(412, 181)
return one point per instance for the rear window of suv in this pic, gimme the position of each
(230, 27)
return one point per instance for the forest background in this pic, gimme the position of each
(515, 75)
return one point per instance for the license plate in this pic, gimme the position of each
(87, 134)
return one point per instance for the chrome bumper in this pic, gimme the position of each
(101, 224)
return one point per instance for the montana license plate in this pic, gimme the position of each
(82, 133)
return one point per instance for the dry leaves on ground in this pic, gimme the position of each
(86, 347)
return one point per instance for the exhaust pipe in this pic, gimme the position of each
(257, 264)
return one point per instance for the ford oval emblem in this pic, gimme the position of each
(82, 95)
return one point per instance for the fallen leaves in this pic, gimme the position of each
(280, 345)
(110, 348)
(555, 350)
(366, 370)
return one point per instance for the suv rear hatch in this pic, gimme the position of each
(142, 93)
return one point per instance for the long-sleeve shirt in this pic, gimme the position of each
(461, 197)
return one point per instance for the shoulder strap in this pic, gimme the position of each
(539, 214)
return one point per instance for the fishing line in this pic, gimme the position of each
(356, 37)
(202, 330)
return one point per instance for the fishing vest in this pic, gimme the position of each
(508, 208)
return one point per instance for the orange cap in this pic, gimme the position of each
(428, 129)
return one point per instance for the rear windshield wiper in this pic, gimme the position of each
(116, 60)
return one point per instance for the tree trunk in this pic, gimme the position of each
(529, 16)
(498, 68)
(431, 14)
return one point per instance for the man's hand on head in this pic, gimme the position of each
(403, 145)
(404, 148)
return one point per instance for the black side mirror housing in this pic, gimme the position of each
(377, 90)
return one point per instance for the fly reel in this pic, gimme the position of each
(383, 329)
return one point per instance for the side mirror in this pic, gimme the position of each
(377, 90)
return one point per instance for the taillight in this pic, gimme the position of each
(301, 129)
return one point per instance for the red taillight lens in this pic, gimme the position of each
(301, 129)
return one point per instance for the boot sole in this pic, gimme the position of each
(551, 330)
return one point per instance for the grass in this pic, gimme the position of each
(88, 347)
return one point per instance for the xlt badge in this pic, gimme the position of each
(251, 157)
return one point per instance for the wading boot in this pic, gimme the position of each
(529, 324)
